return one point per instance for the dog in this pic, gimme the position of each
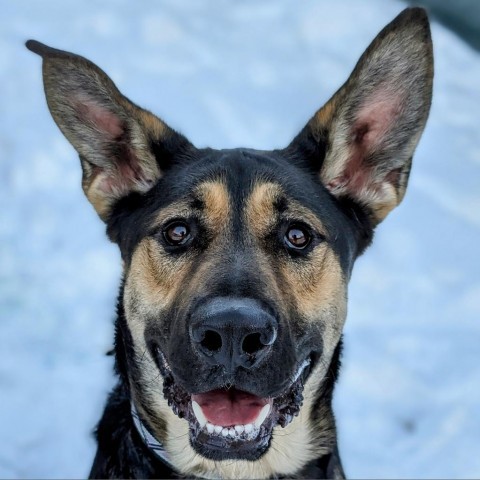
(236, 263)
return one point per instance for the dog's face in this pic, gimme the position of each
(235, 290)
(236, 262)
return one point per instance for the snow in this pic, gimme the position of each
(228, 74)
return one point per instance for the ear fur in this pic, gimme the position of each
(114, 138)
(367, 132)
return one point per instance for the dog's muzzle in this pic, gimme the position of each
(230, 418)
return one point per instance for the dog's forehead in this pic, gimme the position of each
(240, 174)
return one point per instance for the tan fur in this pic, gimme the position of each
(259, 211)
(291, 448)
(216, 201)
(323, 117)
(95, 194)
(152, 281)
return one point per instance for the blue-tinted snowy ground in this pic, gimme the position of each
(230, 73)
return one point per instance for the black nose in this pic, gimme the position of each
(233, 332)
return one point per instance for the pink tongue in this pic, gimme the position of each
(230, 407)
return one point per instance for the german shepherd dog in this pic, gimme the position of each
(236, 263)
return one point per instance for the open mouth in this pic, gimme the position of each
(229, 423)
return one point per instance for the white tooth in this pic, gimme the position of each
(210, 428)
(239, 429)
(225, 432)
(262, 415)
(248, 428)
(218, 428)
(231, 432)
(197, 410)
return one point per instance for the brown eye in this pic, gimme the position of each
(297, 237)
(177, 233)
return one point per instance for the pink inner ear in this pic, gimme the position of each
(110, 139)
(100, 117)
(374, 120)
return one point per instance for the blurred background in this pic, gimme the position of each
(232, 73)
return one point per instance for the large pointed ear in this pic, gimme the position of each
(363, 139)
(122, 147)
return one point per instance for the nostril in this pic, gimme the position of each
(252, 343)
(212, 341)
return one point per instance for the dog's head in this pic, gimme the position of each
(236, 262)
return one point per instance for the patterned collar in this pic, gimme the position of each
(150, 441)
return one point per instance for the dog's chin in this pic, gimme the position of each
(229, 423)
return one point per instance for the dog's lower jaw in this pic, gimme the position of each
(243, 432)
(123, 454)
(291, 451)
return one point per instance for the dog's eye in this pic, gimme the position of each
(297, 237)
(177, 233)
